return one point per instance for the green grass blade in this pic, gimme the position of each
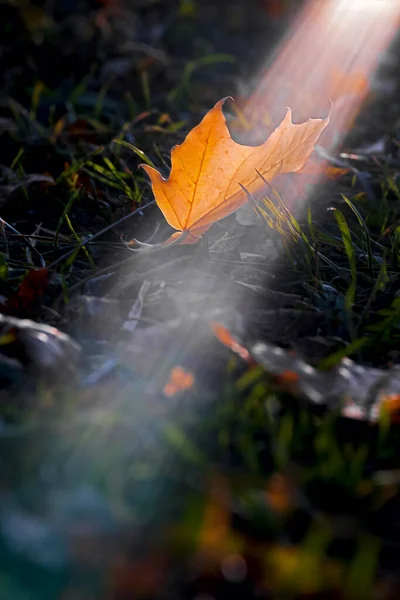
(79, 240)
(68, 207)
(364, 228)
(137, 151)
(351, 255)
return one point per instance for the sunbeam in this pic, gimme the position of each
(330, 53)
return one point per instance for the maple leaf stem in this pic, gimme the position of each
(148, 248)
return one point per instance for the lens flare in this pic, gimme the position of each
(330, 53)
(363, 5)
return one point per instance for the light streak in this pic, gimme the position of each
(330, 53)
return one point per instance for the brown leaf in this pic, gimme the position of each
(29, 292)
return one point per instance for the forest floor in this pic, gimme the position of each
(193, 425)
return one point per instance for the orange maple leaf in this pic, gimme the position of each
(211, 174)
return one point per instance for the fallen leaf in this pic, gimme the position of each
(211, 173)
(225, 337)
(14, 182)
(335, 172)
(366, 390)
(179, 381)
(362, 393)
(29, 292)
(41, 348)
